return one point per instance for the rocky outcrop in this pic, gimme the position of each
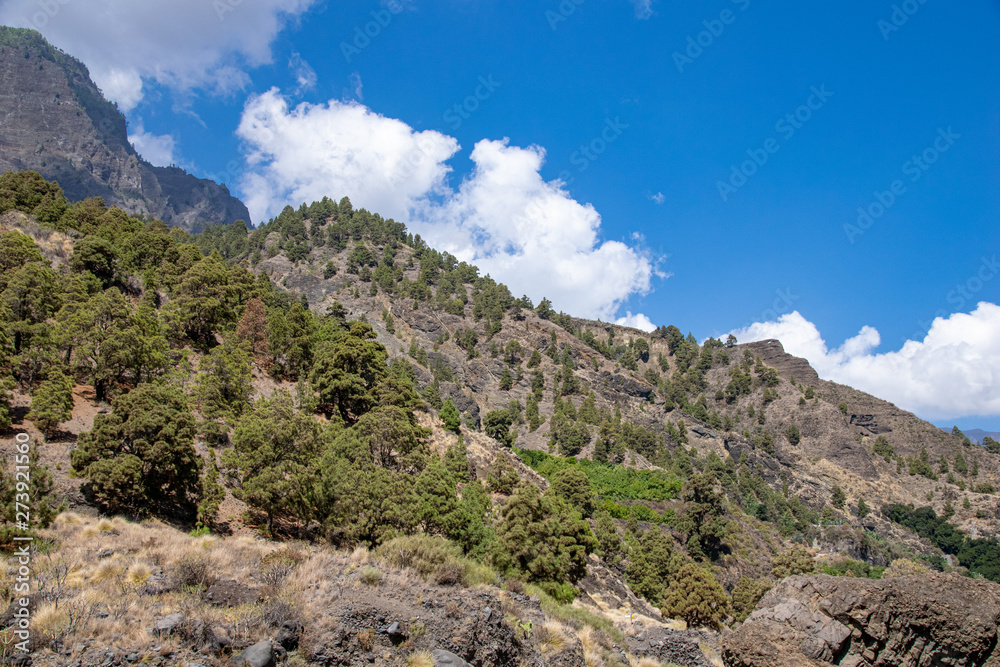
(869, 423)
(54, 120)
(772, 353)
(916, 621)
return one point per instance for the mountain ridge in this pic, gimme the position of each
(54, 120)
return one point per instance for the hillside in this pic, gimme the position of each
(515, 485)
(54, 120)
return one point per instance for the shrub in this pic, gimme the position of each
(904, 567)
(796, 560)
(193, 570)
(423, 553)
(371, 576)
(883, 448)
(696, 597)
(563, 593)
(746, 595)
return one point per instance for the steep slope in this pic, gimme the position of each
(838, 426)
(692, 476)
(54, 120)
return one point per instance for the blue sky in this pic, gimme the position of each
(643, 111)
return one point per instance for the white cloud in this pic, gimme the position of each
(658, 198)
(643, 9)
(953, 372)
(525, 232)
(183, 44)
(305, 75)
(157, 149)
(637, 321)
(340, 148)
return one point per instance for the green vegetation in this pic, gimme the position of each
(980, 556)
(607, 480)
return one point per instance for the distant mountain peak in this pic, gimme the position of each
(56, 121)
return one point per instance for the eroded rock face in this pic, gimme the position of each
(54, 120)
(915, 621)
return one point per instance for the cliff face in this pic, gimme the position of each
(918, 620)
(54, 120)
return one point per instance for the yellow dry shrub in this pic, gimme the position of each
(551, 638)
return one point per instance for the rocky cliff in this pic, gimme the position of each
(917, 620)
(54, 120)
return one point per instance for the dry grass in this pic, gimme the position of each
(366, 638)
(551, 637)
(420, 659)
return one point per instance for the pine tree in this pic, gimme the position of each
(52, 401)
(450, 416)
(542, 538)
(652, 564)
(838, 498)
(212, 494)
(609, 543)
(475, 533)
(573, 486)
(142, 453)
(502, 478)
(252, 328)
(863, 509)
(506, 380)
(439, 509)
(456, 460)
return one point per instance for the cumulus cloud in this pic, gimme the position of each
(953, 372)
(157, 149)
(658, 198)
(183, 44)
(522, 230)
(637, 321)
(304, 153)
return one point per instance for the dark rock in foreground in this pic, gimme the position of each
(916, 621)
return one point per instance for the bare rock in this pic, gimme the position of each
(258, 655)
(918, 621)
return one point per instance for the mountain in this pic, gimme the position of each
(977, 435)
(436, 465)
(54, 120)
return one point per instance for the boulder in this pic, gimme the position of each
(444, 658)
(168, 625)
(258, 655)
(918, 621)
(288, 635)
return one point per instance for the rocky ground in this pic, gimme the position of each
(119, 593)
